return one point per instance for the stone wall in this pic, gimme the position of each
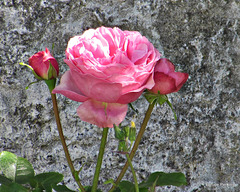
(202, 38)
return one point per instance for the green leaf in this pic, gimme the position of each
(37, 190)
(152, 188)
(13, 187)
(16, 168)
(62, 188)
(48, 180)
(4, 180)
(24, 171)
(164, 179)
(143, 189)
(89, 188)
(110, 181)
(126, 186)
(117, 190)
(8, 164)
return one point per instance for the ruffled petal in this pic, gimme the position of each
(95, 88)
(102, 114)
(68, 88)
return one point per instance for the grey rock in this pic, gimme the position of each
(202, 38)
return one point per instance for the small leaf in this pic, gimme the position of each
(62, 188)
(24, 171)
(13, 187)
(89, 188)
(110, 181)
(4, 180)
(8, 164)
(126, 186)
(48, 180)
(164, 179)
(16, 168)
(50, 177)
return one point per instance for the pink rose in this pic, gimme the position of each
(40, 63)
(109, 68)
(166, 79)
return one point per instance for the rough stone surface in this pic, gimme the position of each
(202, 38)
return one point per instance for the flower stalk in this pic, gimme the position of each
(136, 144)
(100, 158)
(133, 172)
(67, 155)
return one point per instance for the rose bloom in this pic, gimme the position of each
(109, 68)
(166, 79)
(40, 62)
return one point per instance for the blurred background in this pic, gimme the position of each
(201, 37)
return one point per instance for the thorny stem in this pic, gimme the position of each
(70, 164)
(135, 146)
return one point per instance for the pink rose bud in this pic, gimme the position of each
(44, 65)
(166, 79)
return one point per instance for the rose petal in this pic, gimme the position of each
(68, 88)
(99, 89)
(180, 79)
(102, 114)
(164, 84)
(164, 66)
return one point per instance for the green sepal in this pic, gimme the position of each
(160, 99)
(119, 134)
(152, 97)
(131, 106)
(38, 77)
(51, 83)
(126, 130)
(52, 72)
(35, 74)
(170, 105)
(122, 146)
(132, 134)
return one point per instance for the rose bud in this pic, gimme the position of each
(44, 65)
(166, 79)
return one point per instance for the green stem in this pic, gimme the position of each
(70, 164)
(133, 172)
(100, 158)
(136, 143)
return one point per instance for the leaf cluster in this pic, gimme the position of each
(18, 176)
